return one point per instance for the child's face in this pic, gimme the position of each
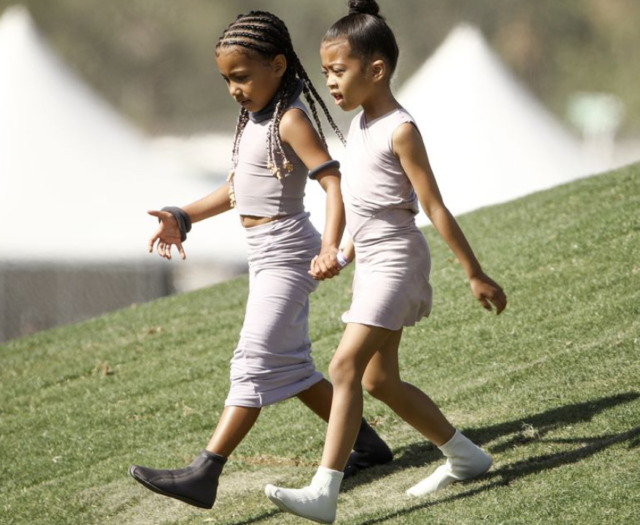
(252, 82)
(347, 77)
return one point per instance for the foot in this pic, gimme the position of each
(369, 450)
(318, 502)
(196, 484)
(465, 461)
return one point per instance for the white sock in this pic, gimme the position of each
(465, 460)
(317, 502)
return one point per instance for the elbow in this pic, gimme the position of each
(434, 209)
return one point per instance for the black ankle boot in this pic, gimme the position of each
(369, 450)
(196, 484)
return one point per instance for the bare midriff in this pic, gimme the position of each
(249, 221)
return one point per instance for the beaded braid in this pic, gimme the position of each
(264, 34)
(243, 118)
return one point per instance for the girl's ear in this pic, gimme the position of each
(279, 65)
(378, 70)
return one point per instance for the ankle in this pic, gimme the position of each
(216, 458)
(327, 480)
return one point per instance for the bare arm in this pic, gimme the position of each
(297, 131)
(409, 148)
(213, 204)
(334, 225)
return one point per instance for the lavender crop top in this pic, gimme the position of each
(258, 192)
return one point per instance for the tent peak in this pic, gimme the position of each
(16, 16)
(17, 29)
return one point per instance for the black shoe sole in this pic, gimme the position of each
(157, 490)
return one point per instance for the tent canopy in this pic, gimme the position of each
(75, 178)
(488, 139)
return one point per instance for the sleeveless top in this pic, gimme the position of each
(374, 179)
(257, 191)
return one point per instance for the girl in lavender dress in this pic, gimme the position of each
(387, 173)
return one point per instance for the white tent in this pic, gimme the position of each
(75, 178)
(488, 139)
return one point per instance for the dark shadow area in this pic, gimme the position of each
(520, 469)
(531, 428)
(261, 517)
(548, 421)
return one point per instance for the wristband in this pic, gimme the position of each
(325, 165)
(342, 260)
(183, 219)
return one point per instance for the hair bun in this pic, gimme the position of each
(364, 7)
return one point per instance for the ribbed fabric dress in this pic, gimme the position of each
(391, 284)
(273, 358)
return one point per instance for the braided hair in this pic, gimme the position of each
(262, 34)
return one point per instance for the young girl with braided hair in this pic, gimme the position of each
(387, 172)
(275, 149)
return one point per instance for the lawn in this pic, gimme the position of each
(550, 388)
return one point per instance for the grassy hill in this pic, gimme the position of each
(550, 388)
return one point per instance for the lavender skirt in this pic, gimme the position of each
(391, 284)
(273, 358)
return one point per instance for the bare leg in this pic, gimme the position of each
(234, 424)
(382, 380)
(371, 354)
(464, 459)
(357, 346)
(318, 398)
(369, 449)
(319, 500)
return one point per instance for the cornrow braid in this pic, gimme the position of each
(264, 34)
(258, 30)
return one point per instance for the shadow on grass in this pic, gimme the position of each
(545, 422)
(541, 424)
(504, 476)
(531, 428)
(261, 517)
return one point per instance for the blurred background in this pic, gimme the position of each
(108, 109)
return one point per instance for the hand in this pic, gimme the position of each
(325, 265)
(488, 292)
(167, 235)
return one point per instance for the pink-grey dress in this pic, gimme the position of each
(272, 360)
(391, 286)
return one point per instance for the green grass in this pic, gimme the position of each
(551, 388)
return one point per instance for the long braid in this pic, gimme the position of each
(243, 118)
(264, 34)
(285, 97)
(310, 93)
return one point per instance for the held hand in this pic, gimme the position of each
(167, 235)
(488, 292)
(325, 265)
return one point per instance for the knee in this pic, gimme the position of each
(343, 371)
(379, 387)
